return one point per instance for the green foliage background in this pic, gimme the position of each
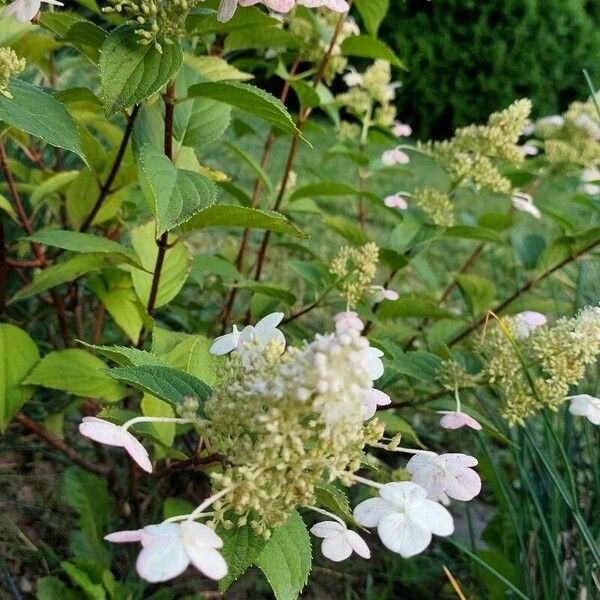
(479, 56)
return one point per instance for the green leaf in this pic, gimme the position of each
(176, 266)
(85, 243)
(60, 273)
(165, 383)
(268, 289)
(216, 68)
(308, 96)
(325, 188)
(53, 184)
(39, 114)
(77, 372)
(52, 588)
(287, 558)
(248, 98)
(230, 215)
(394, 425)
(372, 13)
(334, 499)
(6, 206)
(131, 72)
(413, 305)
(18, 355)
(93, 591)
(478, 292)
(347, 229)
(473, 233)
(175, 195)
(155, 407)
(241, 548)
(88, 495)
(125, 356)
(249, 160)
(368, 47)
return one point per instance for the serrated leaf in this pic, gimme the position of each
(175, 195)
(77, 372)
(286, 559)
(18, 356)
(85, 243)
(248, 98)
(241, 548)
(216, 68)
(334, 499)
(365, 46)
(38, 113)
(165, 383)
(125, 356)
(131, 72)
(60, 273)
(230, 215)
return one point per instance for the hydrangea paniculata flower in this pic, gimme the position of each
(457, 419)
(524, 203)
(25, 10)
(584, 405)
(168, 549)
(339, 542)
(528, 320)
(227, 8)
(405, 518)
(396, 201)
(395, 157)
(401, 129)
(445, 474)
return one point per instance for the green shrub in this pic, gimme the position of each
(467, 57)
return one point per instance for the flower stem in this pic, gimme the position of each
(132, 422)
(198, 511)
(368, 482)
(327, 514)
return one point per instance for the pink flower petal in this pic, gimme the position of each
(456, 420)
(138, 453)
(208, 561)
(123, 537)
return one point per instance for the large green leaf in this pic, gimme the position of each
(131, 72)
(414, 305)
(85, 243)
(38, 113)
(18, 355)
(241, 547)
(372, 12)
(248, 98)
(176, 266)
(125, 356)
(165, 383)
(175, 195)
(228, 215)
(76, 372)
(334, 499)
(287, 558)
(478, 292)
(369, 47)
(60, 273)
(325, 188)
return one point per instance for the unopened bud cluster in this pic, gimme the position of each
(10, 65)
(550, 359)
(356, 267)
(288, 421)
(453, 375)
(158, 21)
(436, 205)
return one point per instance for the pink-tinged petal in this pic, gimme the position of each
(428, 472)
(103, 432)
(161, 560)
(138, 453)
(152, 533)
(369, 512)
(326, 529)
(124, 537)
(456, 459)
(29, 10)
(13, 8)
(463, 484)
(402, 535)
(373, 362)
(358, 544)
(282, 6)
(202, 535)
(54, 2)
(456, 420)
(209, 562)
(434, 516)
(390, 295)
(226, 10)
(336, 548)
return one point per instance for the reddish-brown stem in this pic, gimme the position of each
(59, 445)
(301, 121)
(163, 242)
(258, 188)
(99, 325)
(23, 264)
(525, 288)
(105, 189)
(36, 248)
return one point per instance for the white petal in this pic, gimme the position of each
(13, 8)
(55, 2)
(373, 362)
(462, 484)
(225, 343)
(401, 493)
(138, 453)
(103, 432)
(358, 544)
(456, 459)
(371, 511)
(29, 9)
(269, 322)
(161, 560)
(208, 561)
(226, 10)
(161, 531)
(202, 535)
(326, 529)
(429, 474)
(403, 536)
(336, 548)
(124, 537)
(433, 516)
